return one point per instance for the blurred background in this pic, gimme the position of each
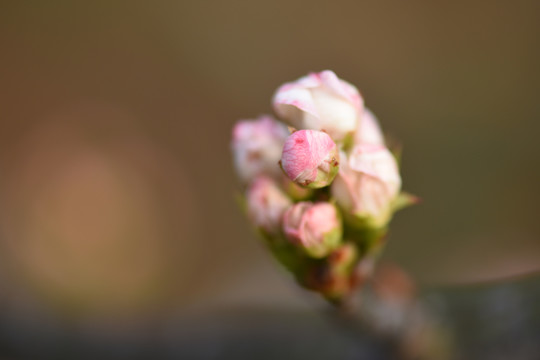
(118, 219)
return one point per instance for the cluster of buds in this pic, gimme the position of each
(323, 189)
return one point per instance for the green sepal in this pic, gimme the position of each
(365, 238)
(337, 281)
(363, 221)
(348, 142)
(404, 200)
(285, 252)
(332, 240)
(344, 258)
(297, 192)
(326, 178)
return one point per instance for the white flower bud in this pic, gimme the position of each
(320, 101)
(257, 146)
(367, 184)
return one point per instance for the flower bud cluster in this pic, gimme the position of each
(322, 190)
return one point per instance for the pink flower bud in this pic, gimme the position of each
(315, 228)
(368, 183)
(369, 131)
(257, 146)
(266, 204)
(320, 101)
(310, 158)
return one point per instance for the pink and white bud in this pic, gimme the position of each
(368, 132)
(310, 158)
(320, 101)
(266, 204)
(367, 184)
(257, 146)
(314, 227)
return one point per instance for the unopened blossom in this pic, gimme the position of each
(320, 101)
(314, 227)
(329, 239)
(368, 132)
(310, 158)
(266, 204)
(257, 146)
(368, 183)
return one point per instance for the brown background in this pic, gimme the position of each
(116, 185)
